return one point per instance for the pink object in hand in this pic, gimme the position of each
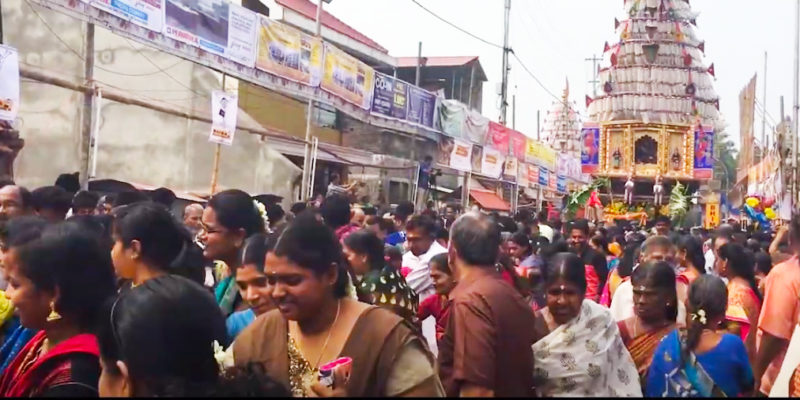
(405, 271)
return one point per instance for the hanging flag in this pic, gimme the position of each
(716, 104)
(606, 47)
(224, 107)
(702, 47)
(616, 23)
(711, 70)
(589, 100)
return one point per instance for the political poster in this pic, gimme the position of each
(544, 176)
(421, 107)
(9, 83)
(224, 107)
(461, 156)
(145, 13)
(289, 53)
(499, 137)
(477, 159)
(703, 152)
(492, 162)
(345, 76)
(590, 148)
(533, 174)
(390, 97)
(216, 26)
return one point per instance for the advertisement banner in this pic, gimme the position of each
(289, 53)
(541, 155)
(216, 26)
(544, 176)
(476, 126)
(145, 13)
(590, 148)
(498, 137)
(552, 181)
(533, 174)
(747, 107)
(492, 162)
(511, 167)
(477, 159)
(224, 107)
(446, 145)
(347, 77)
(421, 107)
(712, 216)
(518, 144)
(9, 83)
(522, 176)
(704, 152)
(561, 184)
(390, 97)
(461, 156)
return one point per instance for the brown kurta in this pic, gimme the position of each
(488, 339)
(374, 344)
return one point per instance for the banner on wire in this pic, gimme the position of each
(9, 83)
(224, 109)
(704, 152)
(145, 13)
(590, 148)
(345, 76)
(390, 97)
(289, 53)
(216, 26)
(492, 162)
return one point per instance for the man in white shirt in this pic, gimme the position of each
(422, 246)
(656, 248)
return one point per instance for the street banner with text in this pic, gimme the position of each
(224, 108)
(345, 76)
(289, 53)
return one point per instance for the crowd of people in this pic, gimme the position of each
(117, 296)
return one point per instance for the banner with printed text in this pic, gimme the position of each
(289, 53)
(522, 176)
(541, 155)
(461, 156)
(590, 148)
(390, 97)
(492, 162)
(511, 168)
(552, 182)
(704, 152)
(215, 26)
(544, 176)
(145, 13)
(518, 144)
(533, 175)
(345, 76)
(499, 137)
(224, 107)
(422, 107)
(561, 184)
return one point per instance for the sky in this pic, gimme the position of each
(554, 37)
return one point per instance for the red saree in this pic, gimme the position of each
(643, 345)
(743, 304)
(28, 376)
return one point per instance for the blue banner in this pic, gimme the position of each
(421, 106)
(561, 184)
(390, 98)
(544, 176)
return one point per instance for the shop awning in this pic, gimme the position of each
(489, 201)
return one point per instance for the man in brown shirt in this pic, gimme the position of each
(486, 348)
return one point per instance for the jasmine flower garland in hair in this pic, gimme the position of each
(262, 211)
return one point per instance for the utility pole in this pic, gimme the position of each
(796, 104)
(514, 111)
(506, 50)
(412, 194)
(594, 80)
(538, 115)
(764, 114)
(419, 65)
(88, 106)
(305, 191)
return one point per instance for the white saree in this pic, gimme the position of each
(585, 358)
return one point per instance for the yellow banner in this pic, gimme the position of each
(540, 155)
(712, 215)
(289, 53)
(348, 78)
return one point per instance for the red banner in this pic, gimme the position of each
(498, 137)
(533, 174)
(518, 143)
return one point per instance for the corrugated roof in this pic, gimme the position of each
(489, 201)
(309, 10)
(457, 61)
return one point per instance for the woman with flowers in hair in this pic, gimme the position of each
(230, 218)
(701, 361)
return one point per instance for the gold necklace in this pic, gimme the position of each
(328, 338)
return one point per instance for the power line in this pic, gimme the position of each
(456, 26)
(160, 69)
(533, 76)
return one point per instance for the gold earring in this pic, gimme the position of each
(54, 316)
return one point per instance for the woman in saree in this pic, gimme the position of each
(58, 283)
(580, 353)
(744, 298)
(230, 218)
(316, 323)
(701, 361)
(655, 309)
(622, 272)
(378, 283)
(691, 259)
